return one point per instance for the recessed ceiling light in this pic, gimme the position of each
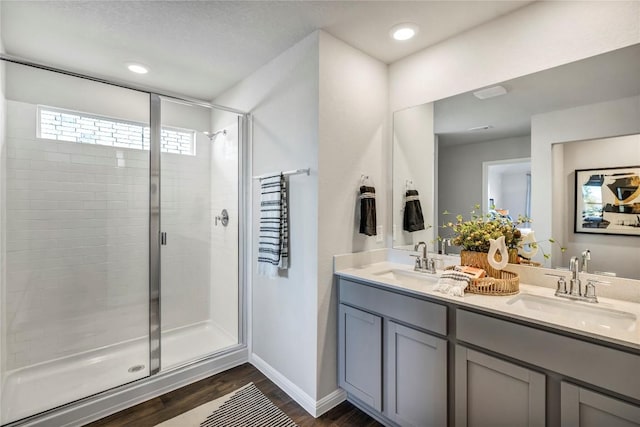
(137, 68)
(405, 31)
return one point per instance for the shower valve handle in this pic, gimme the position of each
(223, 218)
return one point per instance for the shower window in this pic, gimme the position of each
(72, 126)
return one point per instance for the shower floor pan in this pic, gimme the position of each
(34, 389)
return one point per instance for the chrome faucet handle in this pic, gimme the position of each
(561, 286)
(418, 265)
(590, 290)
(431, 265)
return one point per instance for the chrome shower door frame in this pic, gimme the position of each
(154, 234)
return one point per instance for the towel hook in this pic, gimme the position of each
(408, 185)
(365, 180)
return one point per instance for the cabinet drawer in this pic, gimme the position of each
(596, 364)
(414, 311)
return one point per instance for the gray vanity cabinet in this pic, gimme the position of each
(395, 362)
(585, 408)
(416, 377)
(388, 360)
(360, 347)
(492, 392)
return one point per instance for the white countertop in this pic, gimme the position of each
(571, 320)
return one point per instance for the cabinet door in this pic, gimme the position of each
(360, 355)
(584, 408)
(416, 377)
(492, 392)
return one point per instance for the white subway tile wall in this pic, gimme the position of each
(224, 240)
(185, 217)
(77, 242)
(66, 125)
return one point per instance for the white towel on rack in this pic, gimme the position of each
(273, 244)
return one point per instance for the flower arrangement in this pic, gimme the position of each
(474, 234)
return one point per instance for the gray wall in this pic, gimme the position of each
(619, 254)
(602, 120)
(460, 173)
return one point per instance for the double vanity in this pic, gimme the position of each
(410, 356)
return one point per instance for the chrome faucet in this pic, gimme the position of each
(575, 285)
(424, 264)
(586, 257)
(444, 246)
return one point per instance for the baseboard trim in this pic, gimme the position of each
(309, 404)
(110, 402)
(330, 401)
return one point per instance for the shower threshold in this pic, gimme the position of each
(34, 389)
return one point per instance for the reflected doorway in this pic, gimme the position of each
(506, 188)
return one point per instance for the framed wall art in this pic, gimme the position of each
(608, 201)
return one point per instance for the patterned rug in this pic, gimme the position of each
(245, 407)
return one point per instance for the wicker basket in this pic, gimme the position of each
(525, 261)
(481, 260)
(507, 284)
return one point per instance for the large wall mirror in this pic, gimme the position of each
(515, 146)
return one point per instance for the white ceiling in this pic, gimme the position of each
(201, 48)
(612, 75)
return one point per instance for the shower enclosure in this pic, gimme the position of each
(116, 265)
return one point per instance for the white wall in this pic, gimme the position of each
(283, 98)
(186, 218)
(353, 140)
(224, 240)
(460, 173)
(413, 159)
(619, 254)
(321, 104)
(37, 86)
(3, 195)
(513, 193)
(602, 120)
(534, 38)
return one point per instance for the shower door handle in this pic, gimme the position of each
(163, 238)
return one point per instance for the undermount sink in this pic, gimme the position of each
(408, 277)
(580, 314)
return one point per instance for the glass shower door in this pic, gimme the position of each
(74, 287)
(199, 255)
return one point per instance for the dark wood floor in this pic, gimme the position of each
(169, 405)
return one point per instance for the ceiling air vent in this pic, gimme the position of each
(490, 92)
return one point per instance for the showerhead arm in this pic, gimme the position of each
(212, 135)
